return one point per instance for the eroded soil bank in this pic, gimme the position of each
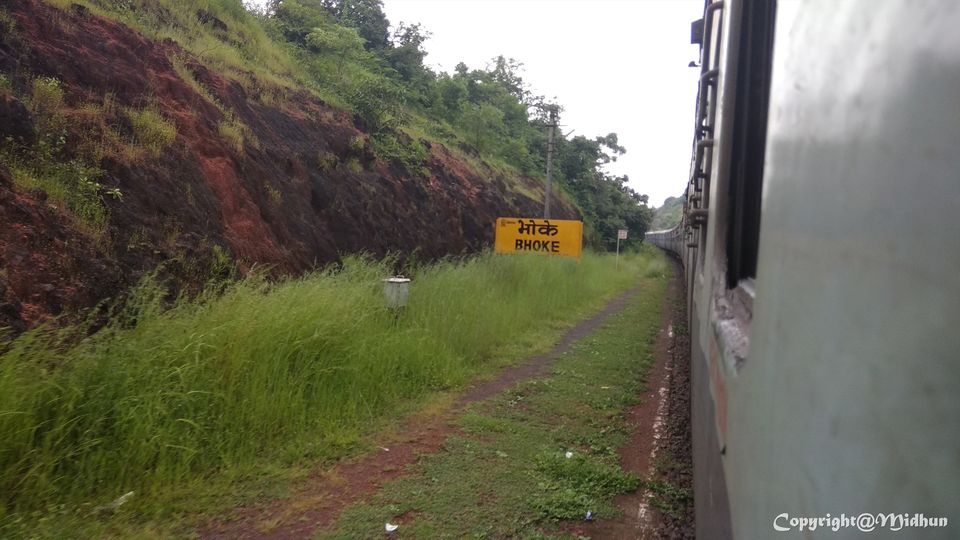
(251, 179)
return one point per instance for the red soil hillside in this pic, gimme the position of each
(294, 184)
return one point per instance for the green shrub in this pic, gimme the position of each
(151, 129)
(44, 102)
(353, 165)
(276, 197)
(232, 132)
(71, 182)
(47, 164)
(46, 96)
(412, 156)
(380, 103)
(327, 161)
(357, 144)
(222, 265)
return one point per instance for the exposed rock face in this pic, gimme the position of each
(287, 200)
(15, 121)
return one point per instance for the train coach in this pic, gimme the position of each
(821, 249)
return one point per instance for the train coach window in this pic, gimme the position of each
(754, 63)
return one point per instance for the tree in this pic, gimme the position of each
(610, 142)
(483, 122)
(366, 16)
(406, 53)
(451, 92)
(506, 71)
(297, 18)
(607, 202)
(342, 42)
(380, 104)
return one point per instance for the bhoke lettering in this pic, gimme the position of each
(531, 227)
(552, 246)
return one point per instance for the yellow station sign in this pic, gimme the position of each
(547, 236)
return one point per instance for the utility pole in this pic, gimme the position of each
(551, 146)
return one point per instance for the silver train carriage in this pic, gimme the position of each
(821, 248)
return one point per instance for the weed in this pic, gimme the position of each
(379, 103)
(668, 498)
(7, 24)
(412, 156)
(151, 129)
(72, 182)
(221, 265)
(479, 423)
(578, 483)
(327, 161)
(139, 238)
(179, 64)
(171, 236)
(357, 144)
(353, 165)
(681, 329)
(274, 194)
(46, 97)
(233, 133)
(667, 464)
(66, 179)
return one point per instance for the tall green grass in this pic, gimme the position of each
(264, 371)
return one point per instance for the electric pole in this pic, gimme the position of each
(551, 146)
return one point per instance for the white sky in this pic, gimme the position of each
(615, 65)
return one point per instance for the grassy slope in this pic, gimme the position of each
(184, 405)
(270, 69)
(507, 475)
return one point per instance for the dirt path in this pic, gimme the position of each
(318, 503)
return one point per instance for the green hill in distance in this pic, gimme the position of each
(668, 215)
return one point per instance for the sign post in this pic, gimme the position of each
(621, 235)
(544, 236)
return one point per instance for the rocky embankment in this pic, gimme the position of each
(255, 175)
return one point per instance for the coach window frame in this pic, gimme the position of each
(745, 179)
(740, 177)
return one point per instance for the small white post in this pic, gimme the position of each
(396, 290)
(621, 235)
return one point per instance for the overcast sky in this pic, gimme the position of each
(615, 65)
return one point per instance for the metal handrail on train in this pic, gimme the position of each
(698, 198)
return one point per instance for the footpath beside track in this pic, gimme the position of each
(602, 413)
